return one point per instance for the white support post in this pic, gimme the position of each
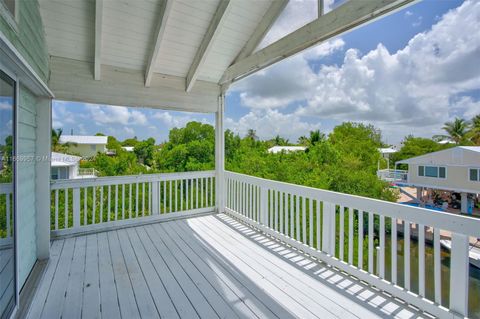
(220, 156)
(464, 203)
(42, 177)
(459, 265)
(326, 230)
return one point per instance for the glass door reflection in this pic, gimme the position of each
(7, 216)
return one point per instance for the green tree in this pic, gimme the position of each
(474, 132)
(56, 145)
(145, 151)
(456, 129)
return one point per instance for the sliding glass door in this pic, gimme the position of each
(7, 207)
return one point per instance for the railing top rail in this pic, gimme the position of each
(447, 221)
(6, 188)
(393, 170)
(113, 180)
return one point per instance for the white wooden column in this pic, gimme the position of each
(42, 177)
(464, 202)
(220, 156)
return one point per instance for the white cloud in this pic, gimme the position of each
(268, 123)
(129, 130)
(408, 13)
(170, 121)
(4, 106)
(285, 82)
(413, 90)
(296, 14)
(109, 114)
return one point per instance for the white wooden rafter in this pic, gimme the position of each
(272, 14)
(207, 43)
(162, 23)
(98, 38)
(345, 18)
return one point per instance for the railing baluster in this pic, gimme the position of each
(143, 199)
(136, 199)
(304, 220)
(130, 186)
(437, 264)
(287, 214)
(406, 255)
(123, 201)
(101, 204)
(394, 251)
(181, 195)
(56, 209)
(94, 204)
(342, 234)
(421, 260)
(85, 191)
(108, 203)
(319, 226)
(297, 217)
(370, 242)
(310, 221)
(360, 239)
(66, 209)
(270, 215)
(275, 209)
(191, 194)
(381, 256)
(350, 235)
(459, 267)
(196, 192)
(76, 207)
(116, 201)
(211, 191)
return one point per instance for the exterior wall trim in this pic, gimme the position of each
(20, 67)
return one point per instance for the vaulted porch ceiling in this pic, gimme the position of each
(175, 54)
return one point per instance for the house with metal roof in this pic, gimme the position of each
(85, 145)
(286, 149)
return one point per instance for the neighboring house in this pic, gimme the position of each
(286, 149)
(85, 145)
(64, 166)
(456, 170)
(386, 154)
(128, 148)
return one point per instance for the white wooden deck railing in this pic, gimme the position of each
(92, 204)
(352, 232)
(393, 175)
(6, 209)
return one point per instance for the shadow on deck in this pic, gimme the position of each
(208, 267)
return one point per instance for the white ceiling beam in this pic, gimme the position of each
(345, 18)
(275, 9)
(71, 80)
(98, 38)
(162, 23)
(207, 42)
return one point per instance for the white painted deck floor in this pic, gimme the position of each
(208, 267)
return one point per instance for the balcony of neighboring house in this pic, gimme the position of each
(209, 244)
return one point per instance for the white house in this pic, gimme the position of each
(85, 145)
(66, 166)
(455, 169)
(286, 149)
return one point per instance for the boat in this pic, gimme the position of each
(473, 253)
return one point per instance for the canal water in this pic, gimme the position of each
(474, 282)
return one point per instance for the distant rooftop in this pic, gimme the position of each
(83, 139)
(278, 149)
(62, 160)
(459, 155)
(387, 150)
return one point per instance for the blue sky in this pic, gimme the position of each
(406, 74)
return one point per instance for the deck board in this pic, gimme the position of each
(204, 267)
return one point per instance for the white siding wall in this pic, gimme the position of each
(26, 183)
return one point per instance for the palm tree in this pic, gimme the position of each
(456, 129)
(56, 145)
(315, 137)
(252, 134)
(474, 132)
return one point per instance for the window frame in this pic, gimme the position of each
(478, 174)
(422, 171)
